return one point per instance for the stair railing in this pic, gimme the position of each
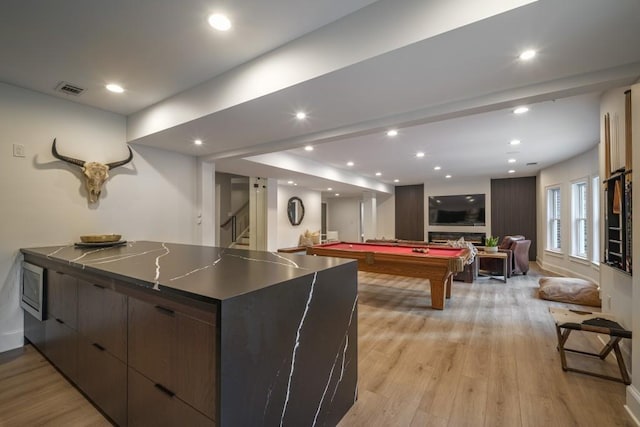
(240, 216)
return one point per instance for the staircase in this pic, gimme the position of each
(243, 240)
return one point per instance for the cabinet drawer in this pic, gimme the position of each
(151, 405)
(61, 347)
(62, 297)
(175, 350)
(34, 331)
(152, 341)
(103, 378)
(102, 318)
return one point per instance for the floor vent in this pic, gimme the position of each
(69, 89)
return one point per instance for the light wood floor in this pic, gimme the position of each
(488, 359)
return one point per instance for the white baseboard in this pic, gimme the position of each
(11, 340)
(562, 271)
(633, 404)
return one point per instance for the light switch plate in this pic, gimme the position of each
(18, 150)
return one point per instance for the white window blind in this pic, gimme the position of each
(595, 223)
(553, 219)
(579, 211)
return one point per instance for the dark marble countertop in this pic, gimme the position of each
(202, 272)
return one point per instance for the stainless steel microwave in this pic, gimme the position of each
(32, 298)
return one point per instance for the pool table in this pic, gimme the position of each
(437, 263)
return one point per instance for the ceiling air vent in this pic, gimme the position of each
(69, 89)
(532, 163)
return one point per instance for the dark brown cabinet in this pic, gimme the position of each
(175, 351)
(102, 318)
(143, 361)
(60, 335)
(151, 405)
(61, 347)
(102, 348)
(103, 377)
(62, 298)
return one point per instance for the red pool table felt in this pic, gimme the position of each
(438, 264)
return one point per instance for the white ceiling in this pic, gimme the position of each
(450, 93)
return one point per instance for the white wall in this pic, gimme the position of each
(584, 166)
(386, 227)
(633, 395)
(44, 201)
(369, 215)
(288, 234)
(343, 216)
(453, 187)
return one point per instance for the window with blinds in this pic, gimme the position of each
(595, 220)
(579, 233)
(553, 219)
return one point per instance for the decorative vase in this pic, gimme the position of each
(491, 249)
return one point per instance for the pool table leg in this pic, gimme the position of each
(449, 285)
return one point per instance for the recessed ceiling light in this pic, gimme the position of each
(392, 132)
(197, 142)
(220, 22)
(301, 115)
(527, 54)
(520, 110)
(447, 176)
(511, 160)
(514, 142)
(115, 88)
(289, 182)
(396, 180)
(308, 148)
(437, 168)
(512, 171)
(419, 154)
(349, 163)
(378, 173)
(337, 194)
(329, 189)
(295, 184)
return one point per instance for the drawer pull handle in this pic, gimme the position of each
(98, 346)
(165, 390)
(59, 321)
(98, 286)
(165, 310)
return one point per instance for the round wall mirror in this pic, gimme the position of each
(295, 210)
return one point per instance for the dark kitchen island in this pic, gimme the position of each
(160, 333)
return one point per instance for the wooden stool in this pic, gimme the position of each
(600, 323)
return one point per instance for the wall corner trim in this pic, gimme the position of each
(633, 404)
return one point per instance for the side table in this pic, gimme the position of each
(493, 255)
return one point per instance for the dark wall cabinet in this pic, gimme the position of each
(410, 212)
(618, 227)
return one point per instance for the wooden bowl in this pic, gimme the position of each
(100, 238)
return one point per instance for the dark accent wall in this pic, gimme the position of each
(410, 212)
(513, 209)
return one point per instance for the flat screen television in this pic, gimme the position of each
(463, 209)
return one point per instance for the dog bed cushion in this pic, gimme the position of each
(570, 290)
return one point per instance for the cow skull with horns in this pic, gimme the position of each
(95, 173)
